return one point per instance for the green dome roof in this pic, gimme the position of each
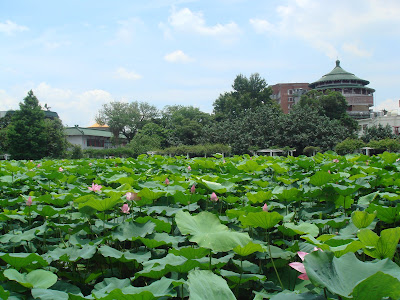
(337, 74)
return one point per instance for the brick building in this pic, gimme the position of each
(288, 94)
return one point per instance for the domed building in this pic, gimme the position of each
(359, 97)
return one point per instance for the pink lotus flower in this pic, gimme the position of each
(125, 208)
(60, 169)
(39, 165)
(29, 201)
(213, 197)
(90, 164)
(193, 189)
(132, 196)
(189, 168)
(95, 187)
(329, 171)
(166, 181)
(265, 207)
(300, 266)
(335, 160)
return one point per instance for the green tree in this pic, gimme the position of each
(4, 122)
(378, 132)
(183, 124)
(126, 118)
(349, 146)
(331, 104)
(247, 93)
(56, 144)
(26, 133)
(304, 126)
(258, 128)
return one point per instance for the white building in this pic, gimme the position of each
(390, 118)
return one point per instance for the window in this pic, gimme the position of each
(290, 92)
(95, 142)
(396, 130)
(290, 99)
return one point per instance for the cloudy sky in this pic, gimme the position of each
(77, 55)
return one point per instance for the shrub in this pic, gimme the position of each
(311, 150)
(349, 146)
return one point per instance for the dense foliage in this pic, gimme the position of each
(26, 133)
(216, 228)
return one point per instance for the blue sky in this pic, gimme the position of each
(77, 55)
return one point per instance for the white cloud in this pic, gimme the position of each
(9, 27)
(127, 30)
(177, 56)
(122, 73)
(355, 49)
(72, 107)
(388, 104)
(186, 21)
(330, 26)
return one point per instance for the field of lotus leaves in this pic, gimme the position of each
(322, 227)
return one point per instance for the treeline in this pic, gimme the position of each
(243, 120)
(246, 119)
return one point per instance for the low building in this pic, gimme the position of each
(97, 137)
(359, 97)
(383, 118)
(288, 94)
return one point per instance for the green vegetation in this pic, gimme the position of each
(321, 227)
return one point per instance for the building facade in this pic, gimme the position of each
(288, 94)
(359, 97)
(97, 137)
(380, 118)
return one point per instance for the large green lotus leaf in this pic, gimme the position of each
(48, 294)
(390, 196)
(259, 197)
(380, 247)
(101, 204)
(40, 279)
(159, 239)
(27, 235)
(22, 260)
(241, 278)
(109, 284)
(3, 293)
(289, 295)
(362, 219)
(279, 168)
(303, 228)
(344, 190)
(72, 253)
(167, 210)
(320, 178)
(220, 188)
(384, 213)
(132, 231)
(50, 211)
(249, 166)
(125, 256)
(150, 194)
(367, 199)
(204, 284)
(285, 194)
(261, 219)
(190, 252)
(341, 275)
(122, 295)
(161, 226)
(157, 268)
(344, 201)
(388, 157)
(208, 232)
(250, 248)
(340, 250)
(377, 286)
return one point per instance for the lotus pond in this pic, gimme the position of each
(322, 227)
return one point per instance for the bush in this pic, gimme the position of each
(391, 145)
(76, 152)
(349, 146)
(197, 150)
(311, 150)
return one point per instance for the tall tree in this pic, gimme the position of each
(126, 118)
(56, 144)
(378, 132)
(331, 104)
(26, 133)
(184, 124)
(304, 126)
(247, 93)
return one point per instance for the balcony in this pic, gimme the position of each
(359, 99)
(359, 114)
